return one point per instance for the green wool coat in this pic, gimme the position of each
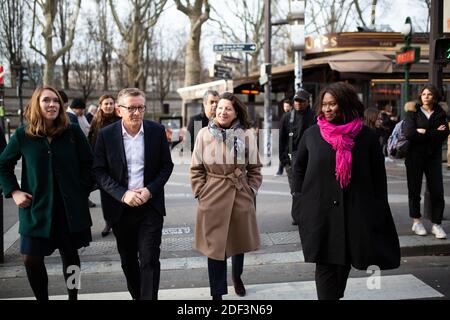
(68, 157)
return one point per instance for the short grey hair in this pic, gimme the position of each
(134, 92)
(209, 92)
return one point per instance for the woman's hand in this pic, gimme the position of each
(442, 127)
(22, 199)
(421, 130)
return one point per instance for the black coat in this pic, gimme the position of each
(340, 226)
(111, 173)
(201, 117)
(430, 143)
(302, 121)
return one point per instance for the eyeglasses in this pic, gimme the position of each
(133, 109)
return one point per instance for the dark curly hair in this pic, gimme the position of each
(347, 99)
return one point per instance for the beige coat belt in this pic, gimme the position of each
(235, 177)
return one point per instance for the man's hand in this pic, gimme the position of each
(22, 199)
(143, 194)
(442, 127)
(136, 197)
(421, 130)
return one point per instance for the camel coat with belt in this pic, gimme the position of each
(226, 215)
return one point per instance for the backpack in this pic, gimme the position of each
(398, 144)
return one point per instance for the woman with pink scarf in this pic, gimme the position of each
(340, 194)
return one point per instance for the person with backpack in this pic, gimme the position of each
(426, 128)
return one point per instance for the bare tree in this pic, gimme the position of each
(165, 65)
(85, 73)
(330, 15)
(49, 10)
(133, 31)
(99, 29)
(251, 17)
(64, 13)
(198, 14)
(12, 14)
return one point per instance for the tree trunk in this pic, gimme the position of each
(193, 64)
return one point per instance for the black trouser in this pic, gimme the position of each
(417, 165)
(331, 280)
(138, 234)
(217, 271)
(290, 174)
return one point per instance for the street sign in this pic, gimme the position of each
(410, 56)
(220, 71)
(242, 47)
(227, 59)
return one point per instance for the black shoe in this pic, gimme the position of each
(294, 223)
(91, 204)
(106, 230)
(217, 297)
(239, 287)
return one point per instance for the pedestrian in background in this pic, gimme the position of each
(340, 194)
(287, 107)
(426, 128)
(55, 184)
(373, 121)
(225, 176)
(293, 125)
(132, 164)
(91, 111)
(105, 116)
(76, 114)
(210, 99)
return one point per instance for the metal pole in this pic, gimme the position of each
(268, 85)
(436, 15)
(298, 70)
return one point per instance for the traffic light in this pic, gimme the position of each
(442, 51)
(24, 76)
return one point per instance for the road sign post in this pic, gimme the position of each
(235, 47)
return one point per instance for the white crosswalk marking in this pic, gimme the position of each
(396, 287)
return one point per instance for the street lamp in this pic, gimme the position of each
(407, 31)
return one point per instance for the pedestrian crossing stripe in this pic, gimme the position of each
(392, 287)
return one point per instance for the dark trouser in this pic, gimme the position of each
(331, 280)
(290, 174)
(416, 166)
(217, 271)
(138, 234)
(280, 169)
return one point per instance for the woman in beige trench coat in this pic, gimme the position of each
(225, 176)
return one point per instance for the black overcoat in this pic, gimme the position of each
(353, 225)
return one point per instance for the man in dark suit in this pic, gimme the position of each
(210, 100)
(132, 163)
(293, 125)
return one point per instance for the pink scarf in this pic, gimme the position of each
(341, 138)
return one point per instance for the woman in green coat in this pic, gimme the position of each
(55, 185)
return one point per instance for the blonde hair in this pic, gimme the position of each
(36, 122)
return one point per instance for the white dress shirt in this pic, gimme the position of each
(135, 155)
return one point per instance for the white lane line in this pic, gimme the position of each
(395, 287)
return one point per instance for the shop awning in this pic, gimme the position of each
(356, 61)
